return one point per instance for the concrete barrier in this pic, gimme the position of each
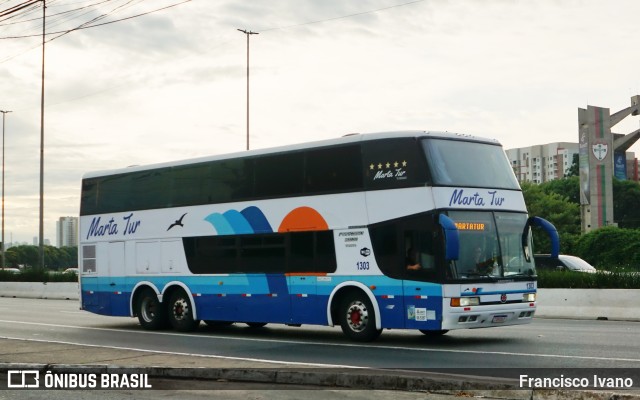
(613, 304)
(41, 290)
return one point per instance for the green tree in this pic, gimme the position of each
(54, 257)
(626, 202)
(559, 210)
(574, 170)
(22, 255)
(568, 188)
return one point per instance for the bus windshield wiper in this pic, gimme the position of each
(527, 274)
(493, 278)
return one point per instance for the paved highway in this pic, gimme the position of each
(547, 343)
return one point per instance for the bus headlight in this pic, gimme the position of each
(465, 301)
(529, 297)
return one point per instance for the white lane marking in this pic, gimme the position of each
(369, 345)
(174, 353)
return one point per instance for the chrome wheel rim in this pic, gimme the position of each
(357, 316)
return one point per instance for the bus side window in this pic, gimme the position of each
(418, 247)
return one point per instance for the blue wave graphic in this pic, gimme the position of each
(257, 220)
(232, 222)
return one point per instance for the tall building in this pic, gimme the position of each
(546, 162)
(67, 231)
(542, 163)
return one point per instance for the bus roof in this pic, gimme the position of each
(349, 138)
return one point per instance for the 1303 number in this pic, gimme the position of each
(362, 265)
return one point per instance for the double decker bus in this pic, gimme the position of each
(402, 230)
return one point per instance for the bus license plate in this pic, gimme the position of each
(498, 319)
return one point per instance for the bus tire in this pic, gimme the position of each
(151, 313)
(434, 333)
(180, 312)
(358, 318)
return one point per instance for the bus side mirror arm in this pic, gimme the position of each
(549, 228)
(451, 238)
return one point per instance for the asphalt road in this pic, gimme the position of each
(546, 343)
(56, 332)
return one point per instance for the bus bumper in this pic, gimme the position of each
(486, 316)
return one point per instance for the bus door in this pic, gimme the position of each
(422, 296)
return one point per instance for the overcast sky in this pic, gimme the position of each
(172, 84)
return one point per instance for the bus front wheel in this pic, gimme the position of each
(151, 313)
(181, 312)
(358, 318)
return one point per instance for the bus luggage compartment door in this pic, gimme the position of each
(305, 305)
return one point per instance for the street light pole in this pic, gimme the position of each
(41, 224)
(248, 33)
(4, 114)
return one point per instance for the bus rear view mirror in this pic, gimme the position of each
(547, 227)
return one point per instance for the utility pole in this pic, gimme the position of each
(41, 225)
(4, 114)
(248, 33)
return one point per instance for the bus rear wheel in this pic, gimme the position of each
(358, 318)
(181, 312)
(151, 313)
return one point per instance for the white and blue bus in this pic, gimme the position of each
(404, 230)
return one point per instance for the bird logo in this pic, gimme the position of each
(178, 222)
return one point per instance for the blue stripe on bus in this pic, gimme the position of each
(267, 283)
(272, 298)
(277, 284)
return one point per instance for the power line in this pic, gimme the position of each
(176, 4)
(98, 18)
(95, 19)
(18, 7)
(124, 19)
(81, 27)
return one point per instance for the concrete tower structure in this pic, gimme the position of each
(599, 149)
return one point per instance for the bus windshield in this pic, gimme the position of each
(490, 245)
(471, 164)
